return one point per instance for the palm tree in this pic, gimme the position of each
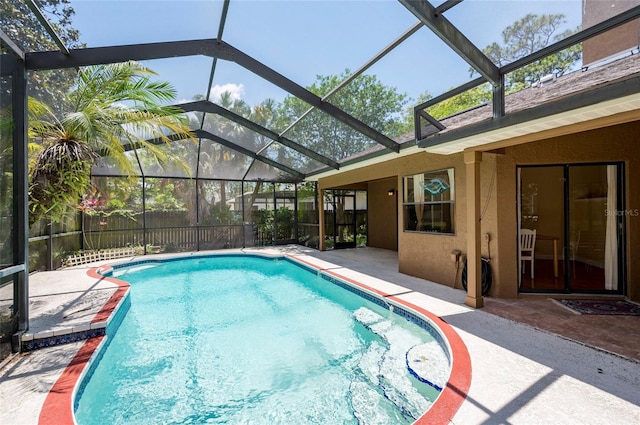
(212, 158)
(111, 106)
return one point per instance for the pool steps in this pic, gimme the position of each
(398, 342)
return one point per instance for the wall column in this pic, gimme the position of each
(472, 162)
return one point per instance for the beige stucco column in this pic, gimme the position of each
(472, 162)
(321, 218)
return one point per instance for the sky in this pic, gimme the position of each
(302, 39)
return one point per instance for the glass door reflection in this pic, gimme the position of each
(575, 210)
(542, 209)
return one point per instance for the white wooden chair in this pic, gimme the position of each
(527, 248)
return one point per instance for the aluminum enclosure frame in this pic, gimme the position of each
(39, 61)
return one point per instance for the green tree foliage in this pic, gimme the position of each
(456, 104)
(161, 195)
(111, 106)
(461, 102)
(110, 194)
(6, 185)
(528, 35)
(19, 23)
(365, 98)
(525, 36)
(22, 26)
(215, 159)
(408, 112)
(6, 158)
(263, 114)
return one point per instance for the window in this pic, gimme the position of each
(428, 202)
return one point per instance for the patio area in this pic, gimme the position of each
(532, 360)
(614, 334)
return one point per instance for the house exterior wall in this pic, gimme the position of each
(427, 255)
(382, 214)
(609, 144)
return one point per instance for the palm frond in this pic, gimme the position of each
(111, 105)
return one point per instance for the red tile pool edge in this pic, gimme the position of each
(58, 406)
(454, 394)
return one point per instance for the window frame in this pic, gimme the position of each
(407, 202)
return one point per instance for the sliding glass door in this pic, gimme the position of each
(542, 209)
(577, 213)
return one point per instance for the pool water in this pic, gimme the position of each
(246, 340)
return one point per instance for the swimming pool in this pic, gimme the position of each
(240, 339)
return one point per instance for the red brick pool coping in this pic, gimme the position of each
(58, 406)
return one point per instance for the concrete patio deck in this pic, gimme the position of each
(520, 374)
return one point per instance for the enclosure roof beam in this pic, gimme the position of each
(209, 107)
(223, 18)
(613, 22)
(258, 68)
(206, 47)
(47, 26)
(36, 61)
(8, 64)
(203, 134)
(457, 41)
(395, 43)
(601, 94)
(206, 135)
(451, 93)
(8, 42)
(214, 64)
(446, 6)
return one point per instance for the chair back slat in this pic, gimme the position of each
(527, 239)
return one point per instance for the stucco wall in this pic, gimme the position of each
(382, 214)
(426, 255)
(609, 144)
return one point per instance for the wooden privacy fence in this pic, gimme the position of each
(163, 240)
(113, 238)
(175, 239)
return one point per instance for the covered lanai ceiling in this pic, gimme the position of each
(277, 90)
